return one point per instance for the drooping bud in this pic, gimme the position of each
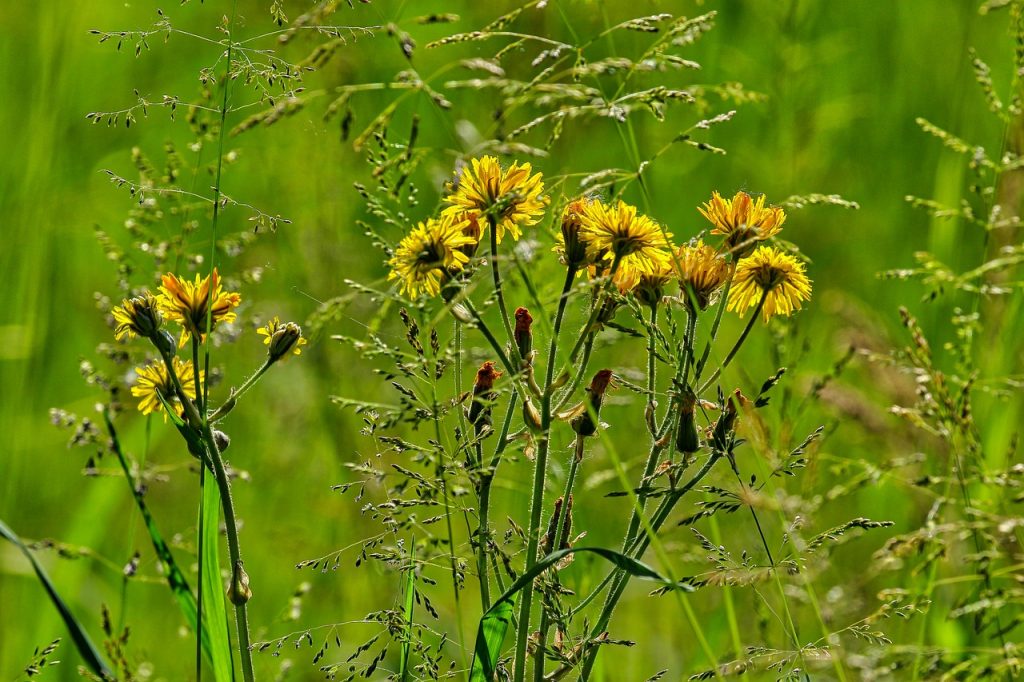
(483, 396)
(222, 440)
(531, 416)
(585, 423)
(523, 332)
(239, 591)
(687, 439)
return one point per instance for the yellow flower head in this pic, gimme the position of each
(428, 254)
(743, 220)
(648, 287)
(153, 381)
(702, 271)
(570, 245)
(511, 198)
(189, 304)
(282, 337)
(137, 316)
(617, 232)
(773, 274)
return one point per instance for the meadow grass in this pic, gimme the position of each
(826, 572)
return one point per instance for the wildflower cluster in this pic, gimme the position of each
(631, 263)
(176, 388)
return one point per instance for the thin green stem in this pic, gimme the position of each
(498, 291)
(714, 332)
(487, 479)
(235, 394)
(595, 310)
(736, 346)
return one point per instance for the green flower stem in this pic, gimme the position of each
(652, 357)
(486, 480)
(234, 553)
(540, 471)
(595, 309)
(200, 549)
(498, 291)
(736, 346)
(714, 332)
(581, 372)
(235, 394)
(636, 551)
(561, 538)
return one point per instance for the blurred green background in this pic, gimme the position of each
(843, 82)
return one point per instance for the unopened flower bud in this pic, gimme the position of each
(726, 424)
(573, 249)
(561, 518)
(222, 440)
(531, 416)
(523, 332)
(483, 396)
(687, 439)
(239, 592)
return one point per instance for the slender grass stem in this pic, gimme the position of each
(498, 291)
(713, 336)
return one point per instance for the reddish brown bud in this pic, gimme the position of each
(483, 396)
(523, 331)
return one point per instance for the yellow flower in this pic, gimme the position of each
(511, 198)
(569, 243)
(646, 286)
(189, 304)
(428, 254)
(743, 220)
(771, 273)
(153, 381)
(137, 316)
(702, 270)
(617, 232)
(282, 337)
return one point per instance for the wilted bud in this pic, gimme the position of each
(726, 424)
(531, 416)
(585, 423)
(558, 518)
(137, 316)
(222, 440)
(483, 396)
(608, 310)
(282, 338)
(687, 440)
(523, 332)
(239, 592)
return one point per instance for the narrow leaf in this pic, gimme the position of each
(92, 657)
(494, 623)
(410, 601)
(215, 619)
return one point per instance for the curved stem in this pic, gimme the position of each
(736, 346)
(714, 332)
(235, 394)
(581, 372)
(595, 309)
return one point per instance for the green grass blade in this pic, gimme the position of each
(215, 618)
(494, 623)
(410, 601)
(92, 657)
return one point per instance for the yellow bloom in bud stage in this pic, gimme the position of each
(137, 316)
(189, 304)
(770, 271)
(153, 381)
(426, 256)
(702, 272)
(617, 232)
(511, 197)
(743, 220)
(570, 245)
(282, 337)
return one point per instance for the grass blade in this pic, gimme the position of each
(92, 657)
(410, 601)
(215, 618)
(494, 623)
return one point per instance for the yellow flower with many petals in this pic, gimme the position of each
(776, 277)
(702, 271)
(190, 304)
(509, 199)
(647, 286)
(427, 256)
(743, 220)
(282, 337)
(153, 381)
(137, 316)
(617, 232)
